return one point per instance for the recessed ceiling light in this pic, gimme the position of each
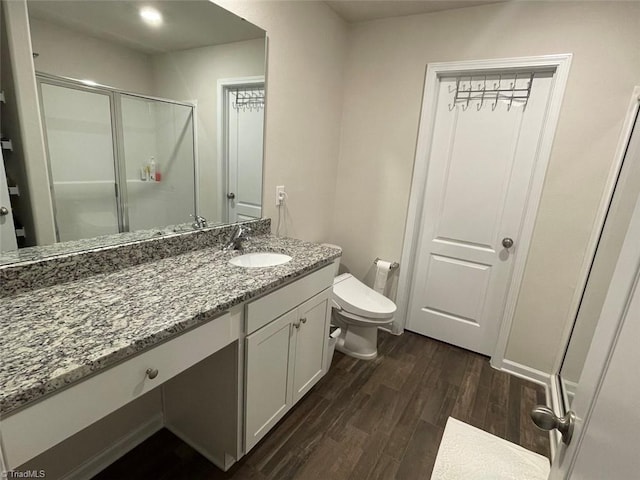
(151, 16)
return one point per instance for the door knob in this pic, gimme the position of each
(231, 195)
(507, 242)
(545, 419)
(4, 211)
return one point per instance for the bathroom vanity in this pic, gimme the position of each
(232, 348)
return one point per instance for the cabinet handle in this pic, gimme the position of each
(303, 320)
(296, 324)
(152, 373)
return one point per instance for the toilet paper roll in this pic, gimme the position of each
(382, 273)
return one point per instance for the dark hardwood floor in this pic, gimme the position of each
(380, 419)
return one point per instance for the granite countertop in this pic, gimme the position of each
(55, 336)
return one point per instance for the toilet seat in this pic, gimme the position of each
(362, 321)
(360, 302)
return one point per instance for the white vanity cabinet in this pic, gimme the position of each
(285, 356)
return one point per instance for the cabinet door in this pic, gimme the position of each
(310, 343)
(268, 378)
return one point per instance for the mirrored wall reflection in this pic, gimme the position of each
(185, 59)
(118, 162)
(615, 227)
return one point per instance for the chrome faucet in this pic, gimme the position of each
(199, 222)
(239, 234)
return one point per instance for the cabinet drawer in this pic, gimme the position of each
(42, 425)
(265, 309)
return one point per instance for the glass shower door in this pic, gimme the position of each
(158, 148)
(79, 136)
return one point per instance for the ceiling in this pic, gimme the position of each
(187, 23)
(363, 10)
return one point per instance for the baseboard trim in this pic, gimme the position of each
(526, 373)
(94, 465)
(541, 378)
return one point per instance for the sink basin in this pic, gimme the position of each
(260, 259)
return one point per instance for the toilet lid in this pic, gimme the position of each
(355, 297)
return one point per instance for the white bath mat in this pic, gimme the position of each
(468, 453)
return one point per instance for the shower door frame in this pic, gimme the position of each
(117, 138)
(118, 164)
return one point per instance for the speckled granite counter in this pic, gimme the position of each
(55, 336)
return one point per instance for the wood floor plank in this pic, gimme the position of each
(417, 461)
(499, 389)
(463, 408)
(446, 408)
(386, 468)
(365, 420)
(372, 451)
(514, 402)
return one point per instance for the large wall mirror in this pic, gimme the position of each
(152, 113)
(610, 242)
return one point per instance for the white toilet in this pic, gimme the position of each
(359, 311)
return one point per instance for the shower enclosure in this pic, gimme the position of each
(118, 162)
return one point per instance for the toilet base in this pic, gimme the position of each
(357, 341)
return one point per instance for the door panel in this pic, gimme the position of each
(310, 343)
(477, 164)
(471, 280)
(244, 167)
(479, 174)
(268, 377)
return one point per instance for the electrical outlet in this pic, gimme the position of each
(280, 195)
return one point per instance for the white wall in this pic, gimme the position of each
(385, 75)
(192, 75)
(68, 53)
(306, 45)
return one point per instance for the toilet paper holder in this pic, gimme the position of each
(393, 266)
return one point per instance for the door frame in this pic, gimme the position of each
(560, 64)
(224, 85)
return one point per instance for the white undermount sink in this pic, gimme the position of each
(260, 259)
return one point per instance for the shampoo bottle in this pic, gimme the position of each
(152, 169)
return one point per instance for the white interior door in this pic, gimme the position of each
(480, 169)
(244, 153)
(7, 229)
(607, 401)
